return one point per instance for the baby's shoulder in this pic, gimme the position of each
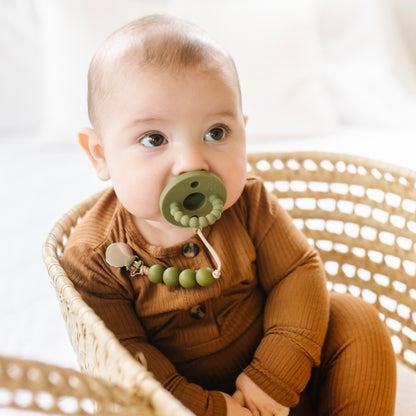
(253, 182)
(95, 225)
(254, 191)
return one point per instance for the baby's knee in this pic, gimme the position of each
(355, 323)
(352, 315)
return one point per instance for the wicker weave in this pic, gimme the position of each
(48, 389)
(360, 214)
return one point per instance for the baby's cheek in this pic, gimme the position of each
(235, 189)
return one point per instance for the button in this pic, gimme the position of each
(198, 311)
(190, 250)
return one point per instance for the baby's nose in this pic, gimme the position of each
(190, 158)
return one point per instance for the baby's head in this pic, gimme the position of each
(164, 99)
(158, 42)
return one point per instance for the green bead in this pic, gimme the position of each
(187, 278)
(217, 201)
(174, 208)
(211, 219)
(185, 220)
(193, 222)
(178, 215)
(216, 213)
(204, 276)
(202, 222)
(155, 273)
(171, 276)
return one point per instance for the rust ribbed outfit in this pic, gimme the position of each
(268, 315)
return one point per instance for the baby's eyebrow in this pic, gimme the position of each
(224, 113)
(142, 120)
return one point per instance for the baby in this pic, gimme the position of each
(164, 100)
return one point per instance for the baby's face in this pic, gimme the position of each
(158, 126)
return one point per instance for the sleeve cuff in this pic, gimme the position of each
(286, 383)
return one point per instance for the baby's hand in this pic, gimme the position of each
(234, 408)
(248, 394)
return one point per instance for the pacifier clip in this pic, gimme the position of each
(193, 199)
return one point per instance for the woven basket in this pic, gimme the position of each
(44, 388)
(359, 213)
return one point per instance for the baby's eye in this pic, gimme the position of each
(153, 140)
(216, 134)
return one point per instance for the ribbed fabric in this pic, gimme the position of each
(267, 315)
(264, 256)
(357, 375)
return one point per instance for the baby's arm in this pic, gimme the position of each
(295, 322)
(297, 307)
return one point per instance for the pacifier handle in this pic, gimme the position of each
(194, 199)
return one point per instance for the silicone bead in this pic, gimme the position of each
(185, 220)
(178, 215)
(211, 219)
(216, 213)
(195, 222)
(204, 276)
(187, 279)
(171, 276)
(155, 273)
(174, 208)
(202, 222)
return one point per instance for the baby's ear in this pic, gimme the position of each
(91, 143)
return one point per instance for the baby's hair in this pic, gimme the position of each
(156, 41)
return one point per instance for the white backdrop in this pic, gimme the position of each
(307, 67)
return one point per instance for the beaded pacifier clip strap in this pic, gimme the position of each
(194, 199)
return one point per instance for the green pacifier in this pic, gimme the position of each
(193, 199)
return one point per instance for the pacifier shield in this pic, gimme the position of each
(193, 199)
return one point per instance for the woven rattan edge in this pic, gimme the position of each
(32, 385)
(334, 158)
(369, 174)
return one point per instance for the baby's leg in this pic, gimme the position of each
(357, 375)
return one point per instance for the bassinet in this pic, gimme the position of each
(360, 214)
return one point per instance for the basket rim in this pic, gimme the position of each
(336, 157)
(49, 248)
